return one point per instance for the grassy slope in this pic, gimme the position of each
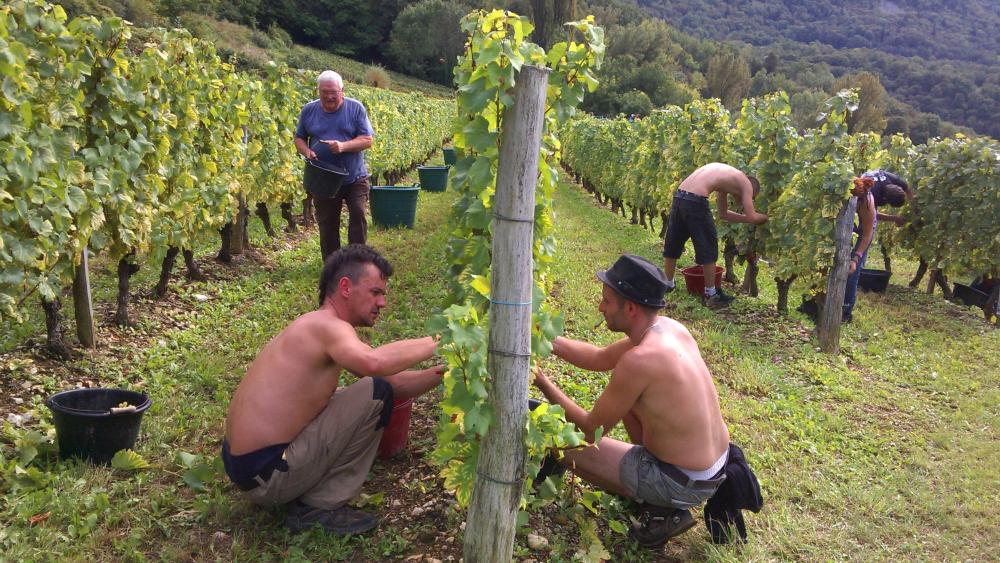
(254, 48)
(882, 453)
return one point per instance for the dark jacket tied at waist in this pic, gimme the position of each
(740, 491)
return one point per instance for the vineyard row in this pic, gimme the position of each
(132, 142)
(953, 224)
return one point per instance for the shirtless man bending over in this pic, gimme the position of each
(662, 391)
(691, 218)
(291, 435)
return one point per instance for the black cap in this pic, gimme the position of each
(637, 279)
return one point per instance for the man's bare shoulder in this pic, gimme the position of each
(659, 352)
(321, 322)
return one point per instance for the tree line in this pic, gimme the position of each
(938, 60)
(808, 49)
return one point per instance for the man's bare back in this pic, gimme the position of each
(662, 392)
(723, 179)
(679, 407)
(287, 385)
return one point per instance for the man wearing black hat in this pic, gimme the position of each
(662, 391)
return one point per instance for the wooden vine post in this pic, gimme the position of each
(83, 305)
(492, 518)
(830, 316)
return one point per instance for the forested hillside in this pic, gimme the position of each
(939, 57)
(924, 70)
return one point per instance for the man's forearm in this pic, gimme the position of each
(413, 383)
(734, 217)
(581, 354)
(356, 144)
(302, 147)
(394, 357)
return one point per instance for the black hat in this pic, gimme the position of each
(637, 279)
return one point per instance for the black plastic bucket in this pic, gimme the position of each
(87, 428)
(323, 179)
(970, 296)
(874, 280)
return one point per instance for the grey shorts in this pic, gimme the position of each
(647, 479)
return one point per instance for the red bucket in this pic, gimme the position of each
(694, 278)
(397, 433)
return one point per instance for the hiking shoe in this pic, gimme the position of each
(341, 521)
(657, 525)
(720, 300)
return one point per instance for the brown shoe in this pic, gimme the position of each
(341, 521)
(657, 525)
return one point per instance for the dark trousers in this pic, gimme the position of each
(328, 212)
(851, 291)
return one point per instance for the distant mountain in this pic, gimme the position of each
(939, 57)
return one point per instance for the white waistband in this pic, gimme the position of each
(707, 473)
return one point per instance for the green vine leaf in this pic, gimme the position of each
(128, 460)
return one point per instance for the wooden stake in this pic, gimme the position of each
(830, 316)
(83, 305)
(492, 519)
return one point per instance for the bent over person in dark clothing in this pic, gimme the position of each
(291, 435)
(886, 189)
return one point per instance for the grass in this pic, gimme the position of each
(880, 453)
(884, 452)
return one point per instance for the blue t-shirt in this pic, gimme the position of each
(348, 122)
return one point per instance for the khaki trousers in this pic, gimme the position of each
(329, 460)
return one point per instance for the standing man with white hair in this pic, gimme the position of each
(339, 128)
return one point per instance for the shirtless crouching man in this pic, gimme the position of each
(662, 391)
(291, 435)
(691, 218)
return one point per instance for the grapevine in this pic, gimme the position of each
(495, 51)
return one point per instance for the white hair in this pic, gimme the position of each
(330, 76)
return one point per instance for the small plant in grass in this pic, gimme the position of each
(378, 77)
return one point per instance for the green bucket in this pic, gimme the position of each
(394, 206)
(449, 156)
(433, 178)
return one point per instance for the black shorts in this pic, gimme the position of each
(691, 218)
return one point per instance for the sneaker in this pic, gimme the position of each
(341, 521)
(658, 524)
(669, 289)
(720, 300)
